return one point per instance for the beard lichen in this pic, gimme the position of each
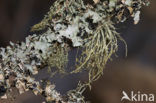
(58, 59)
(98, 50)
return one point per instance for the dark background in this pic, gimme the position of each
(136, 72)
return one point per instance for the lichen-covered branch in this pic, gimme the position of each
(68, 24)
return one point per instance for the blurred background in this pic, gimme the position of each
(136, 72)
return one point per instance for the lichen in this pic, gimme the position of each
(69, 24)
(58, 58)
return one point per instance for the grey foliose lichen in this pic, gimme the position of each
(69, 23)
